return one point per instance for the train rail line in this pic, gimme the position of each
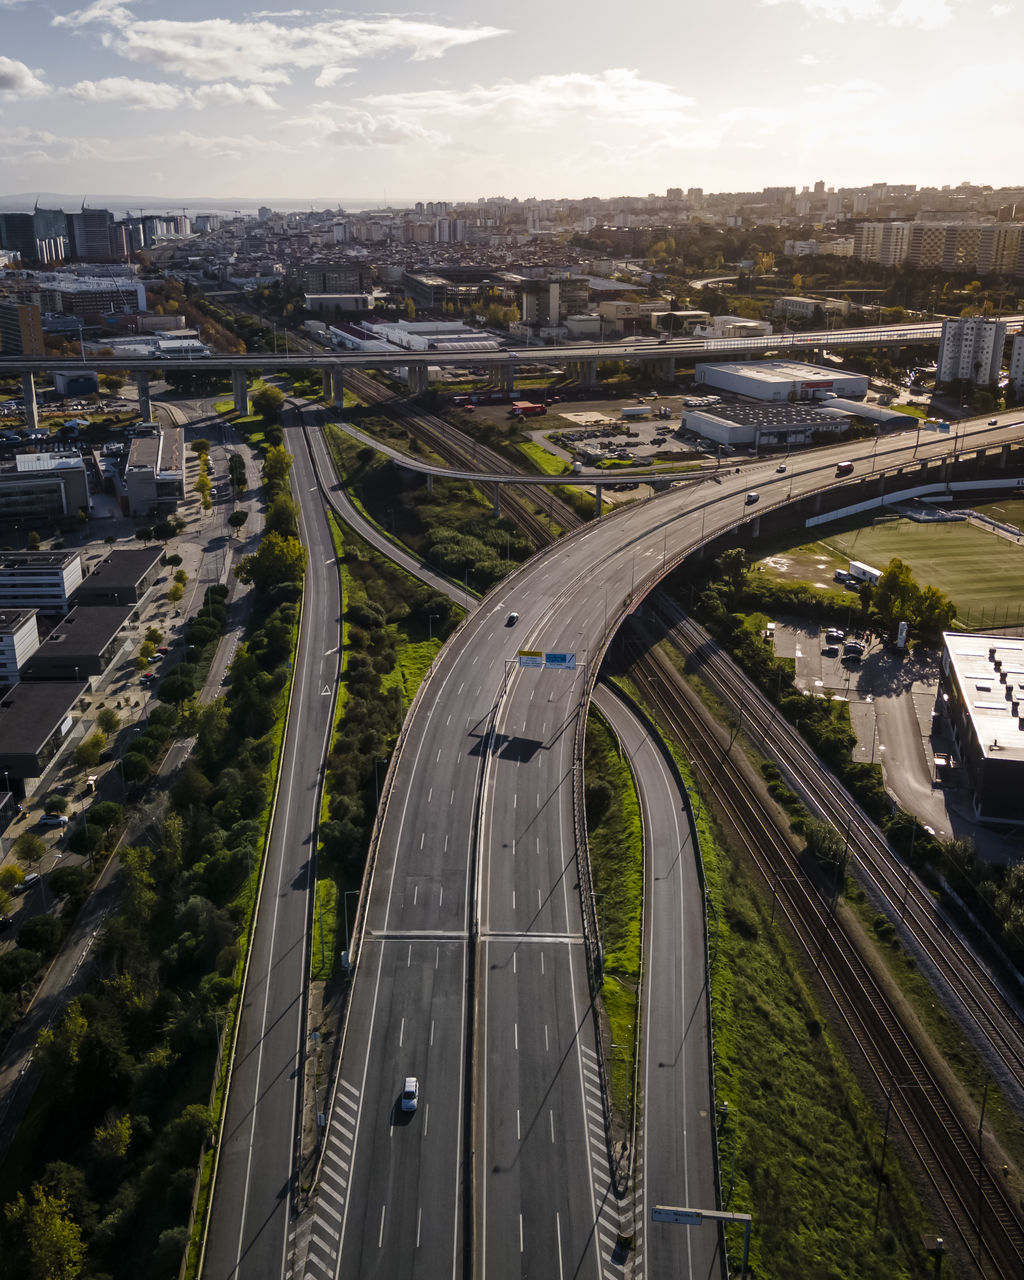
(987, 1012)
(975, 1199)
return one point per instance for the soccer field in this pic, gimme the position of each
(980, 571)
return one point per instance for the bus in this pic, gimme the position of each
(844, 468)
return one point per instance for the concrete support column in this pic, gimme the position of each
(598, 500)
(1004, 457)
(497, 500)
(669, 369)
(588, 373)
(755, 528)
(28, 394)
(145, 404)
(507, 377)
(240, 391)
(338, 388)
(325, 382)
(430, 483)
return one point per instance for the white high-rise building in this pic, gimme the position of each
(1017, 367)
(971, 350)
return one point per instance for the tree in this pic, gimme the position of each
(268, 402)
(895, 596)
(175, 592)
(55, 803)
(29, 848)
(200, 446)
(33, 541)
(53, 1239)
(276, 466)
(87, 753)
(236, 470)
(164, 530)
(278, 560)
(734, 567)
(144, 533)
(237, 518)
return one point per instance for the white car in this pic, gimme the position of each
(54, 820)
(410, 1094)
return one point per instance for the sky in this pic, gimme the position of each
(546, 98)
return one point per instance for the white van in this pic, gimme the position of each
(752, 497)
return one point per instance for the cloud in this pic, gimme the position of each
(137, 95)
(17, 81)
(927, 14)
(1001, 10)
(331, 75)
(808, 60)
(617, 96)
(232, 95)
(270, 51)
(361, 129)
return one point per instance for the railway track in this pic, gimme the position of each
(986, 1011)
(974, 1197)
(455, 447)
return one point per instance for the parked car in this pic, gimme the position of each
(53, 820)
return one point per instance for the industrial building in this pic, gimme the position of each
(778, 380)
(42, 580)
(35, 720)
(123, 577)
(982, 693)
(765, 426)
(971, 350)
(83, 644)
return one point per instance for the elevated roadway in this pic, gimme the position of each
(477, 943)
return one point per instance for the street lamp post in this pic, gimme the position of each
(430, 624)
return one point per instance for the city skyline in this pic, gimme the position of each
(478, 99)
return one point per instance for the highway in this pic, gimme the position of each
(677, 1155)
(793, 344)
(251, 1214)
(475, 881)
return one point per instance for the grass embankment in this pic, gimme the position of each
(393, 627)
(451, 527)
(616, 839)
(801, 1144)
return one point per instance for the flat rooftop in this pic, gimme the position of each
(771, 415)
(124, 568)
(12, 620)
(37, 559)
(87, 629)
(785, 371)
(990, 673)
(30, 712)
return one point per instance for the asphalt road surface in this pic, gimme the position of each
(251, 1213)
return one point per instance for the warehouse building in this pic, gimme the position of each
(765, 426)
(35, 720)
(982, 693)
(778, 380)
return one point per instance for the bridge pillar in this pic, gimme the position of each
(497, 500)
(430, 483)
(240, 391)
(28, 394)
(326, 378)
(1004, 457)
(419, 378)
(669, 369)
(755, 528)
(506, 377)
(338, 387)
(588, 373)
(145, 404)
(598, 500)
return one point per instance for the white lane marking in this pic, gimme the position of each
(513, 962)
(408, 957)
(431, 1032)
(513, 848)
(542, 964)
(446, 844)
(519, 1134)
(520, 1233)
(401, 1034)
(380, 1236)
(451, 798)
(551, 1118)
(558, 1228)
(419, 1219)
(459, 760)
(513, 899)
(515, 802)
(415, 893)
(430, 795)
(440, 896)
(438, 756)
(547, 1046)
(515, 1029)
(461, 687)
(423, 836)
(426, 1119)
(437, 955)
(449, 720)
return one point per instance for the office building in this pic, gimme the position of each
(35, 720)
(154, 478)
(19, 639)
(83, 644)
(971, 350)
(123, 577)
(42, 580)
(1017, 367)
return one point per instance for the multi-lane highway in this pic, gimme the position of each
(472, 969)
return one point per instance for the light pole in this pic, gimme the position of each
(430, 624)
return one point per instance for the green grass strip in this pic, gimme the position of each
(325, 930)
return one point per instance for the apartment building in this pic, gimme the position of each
(1017, 367)
(971, 350)
(21, 329)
